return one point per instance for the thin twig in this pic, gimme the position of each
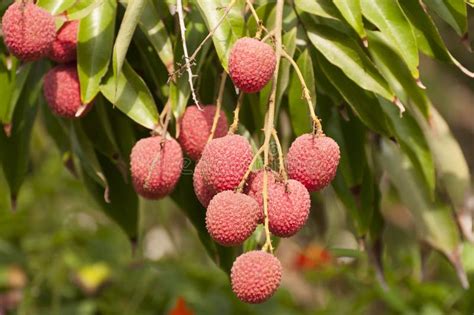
(218, 105)
(260, 26)
(318, 129)
(249, 170)
(281, 161)
(235, 123)
(269, 124)
(179, 8)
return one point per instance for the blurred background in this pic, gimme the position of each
(59, 254)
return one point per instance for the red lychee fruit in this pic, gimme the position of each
(62, 91)
(196, 125)
(231, 217)
(313, 160)
(254, 188)
(64, 47)
(156, 166)
(28, 30)
(255, 276)
(225, 161)
(201, 189)
(251, 64)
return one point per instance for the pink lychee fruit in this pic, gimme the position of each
(203, 192)
(255, 276)
(312, 160)
(156, 165)
(251, 64)
(254, 187)
(196, 125)
(231, 217)
(225, 161)
(28, 30)
(62, 91)
(64, 47)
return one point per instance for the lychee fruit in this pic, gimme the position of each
(64, 47)
(231, 217)
(254, 187)
(251, 64)
(196, 125)
(28, 30)
(62, 91)
(255, 276)
(201, 189)
(156, 165)
(312, 160)
(225, 161)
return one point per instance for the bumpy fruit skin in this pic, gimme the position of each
(231, 217)
(203, 192)
(64, 47)
(196, 128)
(155, 166)
(255, 276)
(251, 64)
(62, 91)
(254, 188)
(313, 160)
(225, 161)
(288, 208)
(28, 31)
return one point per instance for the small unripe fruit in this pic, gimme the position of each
(255, 276)
(62, 90)
(196, 125)
(155, 166)
(201, 189)
(231, 217)
(251, 64)
(64, 47)
(225, 161)
(28, 31)
(313, 160)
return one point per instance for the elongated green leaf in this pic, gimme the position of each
(350, 10)
(95, 40)
(55, 6)
(231, 28)
(363, 103)
(83, 8)
(124, 37)
(14, 81)
(14, 151)
(297, 105)
(154, 28)
(133, 97)
(323, 8)
(454, 12)
(396, 72)
(346, 54)
(390, 19)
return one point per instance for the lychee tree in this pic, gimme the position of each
(137, 96)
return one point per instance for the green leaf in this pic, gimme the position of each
(346, 54)
(433, 220)
(390, 19)
(323, 8)
(297, 105)
(226, 33)
(351, 11)
(453, 12)
(396, 72)
(83, 8)
(154, 29)
(56, 6)
(15, 149)
(14, 81)
(95, 40)
(132, 97)
(124, 37)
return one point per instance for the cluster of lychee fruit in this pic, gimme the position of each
(30, 34)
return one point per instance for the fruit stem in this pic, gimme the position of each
(218, 105)
(269, 123)
(281, 161)
(260, 26)
(317, 127)
(235, 123)
(179, 9)
(249, 170)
